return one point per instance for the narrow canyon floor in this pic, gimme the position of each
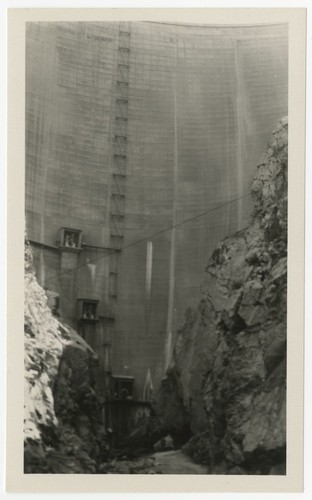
(162, 462)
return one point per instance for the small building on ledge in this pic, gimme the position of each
(70, 239)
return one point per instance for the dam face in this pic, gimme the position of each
(141, 142)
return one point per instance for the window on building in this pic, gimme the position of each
(70, 238)
(123, 387)
(87, 310)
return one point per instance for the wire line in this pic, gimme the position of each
(150, 236)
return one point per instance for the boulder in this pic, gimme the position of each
(164, 444)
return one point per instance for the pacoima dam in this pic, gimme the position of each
(141, 142)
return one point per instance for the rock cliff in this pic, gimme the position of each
(229, 361)
(63, 430)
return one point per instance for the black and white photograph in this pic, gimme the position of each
(156, 247)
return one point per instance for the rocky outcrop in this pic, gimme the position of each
(63, 429)
(230, 354)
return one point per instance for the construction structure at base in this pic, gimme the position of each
(141, 142)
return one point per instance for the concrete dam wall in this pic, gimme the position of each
(142, 137)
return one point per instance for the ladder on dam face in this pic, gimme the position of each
(119, 152)
(117, 190)
(120, 139)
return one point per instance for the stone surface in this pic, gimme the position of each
(63, 429)
(230, 353)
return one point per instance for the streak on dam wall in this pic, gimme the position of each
(207, 97)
